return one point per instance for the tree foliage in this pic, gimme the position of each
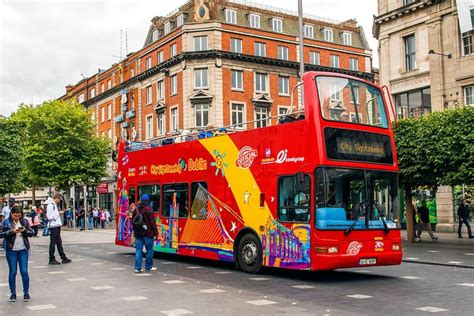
(61, 146)
(11, 149)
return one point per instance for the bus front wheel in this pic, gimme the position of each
(249, 254)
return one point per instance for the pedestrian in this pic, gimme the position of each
(54, 217)
(34, 218)
(7, 208)
(103, 218)
(463, 215)
(82, 218)
(95, 215)
(144, 230)
(424, 222)
(68, 216)
(107, 217)
(90, 219)
(45, 223)
(15, 231)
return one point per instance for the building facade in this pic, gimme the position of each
(427, 63)
(218, 62)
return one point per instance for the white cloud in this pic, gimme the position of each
(45, 45)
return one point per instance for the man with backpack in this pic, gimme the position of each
(144, 230)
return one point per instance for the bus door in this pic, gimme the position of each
(175, 211)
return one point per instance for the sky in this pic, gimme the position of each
(47, 44)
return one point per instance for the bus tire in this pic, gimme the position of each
(249, 254)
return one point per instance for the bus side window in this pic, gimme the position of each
(293, 199)
(131, 196)
(175, 200)
(199, 197)
(154, 192)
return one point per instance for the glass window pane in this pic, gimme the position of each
(294, 199)
(175, 200)
(153, 192)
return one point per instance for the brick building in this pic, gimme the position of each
(222, 62)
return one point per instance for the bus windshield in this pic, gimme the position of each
(360, 199)
(351, 101)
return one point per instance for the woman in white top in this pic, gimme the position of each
(15, 231)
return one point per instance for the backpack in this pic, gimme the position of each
(139, 225)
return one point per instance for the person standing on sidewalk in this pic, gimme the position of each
(145, 230)
(15, 231)
(54, 218)
(463, 215)
(34, 221)
(424, 222)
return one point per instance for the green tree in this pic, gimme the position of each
(434, 150)
(61, 146)
(11, 149)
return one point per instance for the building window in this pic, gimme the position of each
(200, 78)
(155, 36)
(334, 61)
(180, 20)
(314, 58)
(308, 31)
(261, 82)
(102, 88)
(202, 114)
(413, 103)
(81, 98)
(231, 16)
(328, 35)
(160, 57)
(236, 45)
(283, 52)
(200, 43)
(132, 100)
(132, 72)
(148, 63)
(467, 47)
(277, 25)
(283, 85)
(92, 93)
(149, 127)
(469, 95)
(282, 110)
(237, 79)
(109, 133)
(261, 117)
(260, 49)
(174, 119)
(410, 52)
(173, 50)
(109, 112)
(174, 84)
(109, 84)
(237, 115)
(149, 95)
(347, 38)
(161, 124)
(102, 114)
(407, 2)
(161, 90)
(254, 20)
(167, 27)
(354, 64)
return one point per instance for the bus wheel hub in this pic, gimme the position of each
(249, 253)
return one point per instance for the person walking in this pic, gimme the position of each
(463, 215)
(34, 221)
(144, 230)
(107, 217)
(90, 219)
(424, 222)
(95, 215)
(54, 217)
(45, 223)
(103, 218)
(15, 231)
(68, 215)
(82, 218)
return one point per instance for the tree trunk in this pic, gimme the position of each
(409, 215)
(33, 194)
(67, 196)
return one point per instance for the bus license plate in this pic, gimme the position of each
(364, 262)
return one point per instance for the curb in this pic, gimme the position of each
(439, 264)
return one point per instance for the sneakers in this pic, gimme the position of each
(152, 269)
(12, 298)
(417, 239)
(26, 297)
(54, 262)
(66, 260)
(434, 238)
(138, 271)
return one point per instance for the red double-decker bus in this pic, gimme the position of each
(317, 191)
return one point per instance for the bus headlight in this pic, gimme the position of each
(332, 250)
(396, 247)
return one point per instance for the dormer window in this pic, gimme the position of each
(167, 27)
(231, 16)
(328, 35)
(308, 31)
(155, 36)
(180, 20)
(254, 20)
(277, 25)
(347, 38)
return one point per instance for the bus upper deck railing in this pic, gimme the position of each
(208, 132)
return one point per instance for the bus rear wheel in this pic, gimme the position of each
(249, 254)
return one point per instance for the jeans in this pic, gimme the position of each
(148, 243)
(89, 223)
(15, 258)
(56, 241)
(82, 223)
(46, 228)
(468, 225)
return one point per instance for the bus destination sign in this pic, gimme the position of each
(349, 146)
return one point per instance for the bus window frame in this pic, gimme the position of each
(163, 201)
(295, 175)
(141, 184)
(134, 194)
(320, 111)
(191, 199)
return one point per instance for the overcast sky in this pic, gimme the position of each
(47, 44)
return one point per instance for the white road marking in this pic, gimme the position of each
(223, 272)
(41, 307)
(194, 267)
(303, 287)
(96, 263)
(57, 272)
(259, 279)
(134, 298)
(3, 284)
(261, 302)
(173, 312)
(431, 309)
(469, 254)
(81, 259)
(39, 267)
(412, 258)
(143, 274)
(117, 269)
(409, 277)
(102, 287)
(166, 262)
(173, 282)
(211, 291)
(455, 262)
(76, 279)
(433, 251)
(467, 284)
(359, 296)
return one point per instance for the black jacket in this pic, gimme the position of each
(463, 211)
(7, 233)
